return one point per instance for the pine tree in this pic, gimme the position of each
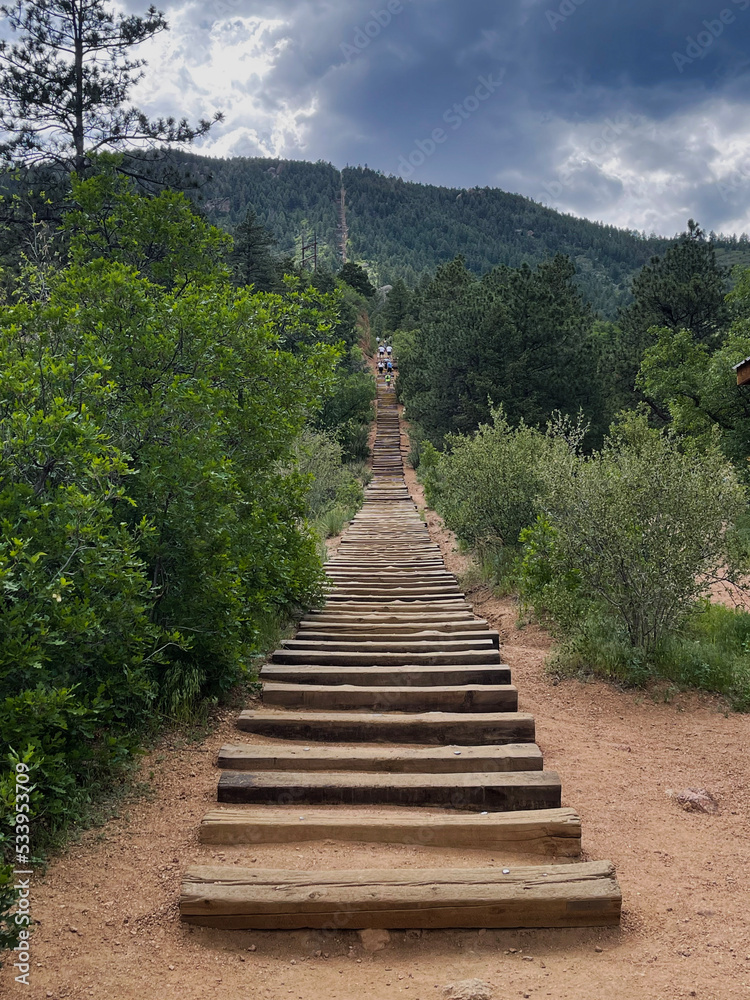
(356, 276)
(64, 85)
(252, 259)
(683, 290)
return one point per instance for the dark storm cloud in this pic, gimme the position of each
(374, 80)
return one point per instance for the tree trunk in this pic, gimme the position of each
(80, 160)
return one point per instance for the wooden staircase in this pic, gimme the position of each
(430, 749)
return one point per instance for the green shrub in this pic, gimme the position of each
(486, 487)
(332, 522)
(640, 530)
(710, 653)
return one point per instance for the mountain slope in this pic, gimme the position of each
(404, 229)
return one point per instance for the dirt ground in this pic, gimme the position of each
(107, 916)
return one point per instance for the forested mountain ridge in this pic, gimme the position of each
(405, 229)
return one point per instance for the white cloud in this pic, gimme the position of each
(223, 65)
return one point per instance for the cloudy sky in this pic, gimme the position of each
(634, 112)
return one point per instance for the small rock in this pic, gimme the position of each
(695, 800)
(374, 940)
(598, 949)
(413, 935)
(73, 930)
(171, 968)
(252, 947)
(468, 989)
(528, 958)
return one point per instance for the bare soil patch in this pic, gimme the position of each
(107, 910)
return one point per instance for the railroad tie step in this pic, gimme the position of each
(491, 791)
(552, 833)
(570, 895)
(426, 728)
(467, 698)
(387, 676)
(406, 760)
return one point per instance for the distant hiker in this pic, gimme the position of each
(381, 350)
(390, 366)
(389, 349)
(387, 380)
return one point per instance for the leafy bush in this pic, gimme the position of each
(711, 652)
(643, 527)
(152, 519)
(348, 412)
(486, 486)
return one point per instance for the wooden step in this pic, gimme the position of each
(408, 619)
(405, 760)
(422, 676)
(408, 639)
(494, 791)
(440, 643)
(412, 608)
(571, 895)
(350, 697)
(354, 628)
(467, 657)
(428, 728)
(553, 833)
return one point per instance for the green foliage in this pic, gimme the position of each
(356, 276)
(252, 259)
(635, 533)
(335, 492)
(65, 84)
(411, 229)
(348, 412)
(161, 238)
(521, 337)
(696, 385)
(683, 290)
(153, 522)
(711, 652)
(486, 486)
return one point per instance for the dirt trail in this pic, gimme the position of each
(107, 910)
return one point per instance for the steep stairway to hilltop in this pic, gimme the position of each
(414, 737)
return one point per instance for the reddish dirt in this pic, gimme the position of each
(107, 909)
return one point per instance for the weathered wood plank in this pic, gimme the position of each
(459, 698)
(391, 727)
(495, 791)
(573, 895)
(440, 643)
(396, 634)
(417, 674)
(407, 760)
(479, 657)
(553, 833)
